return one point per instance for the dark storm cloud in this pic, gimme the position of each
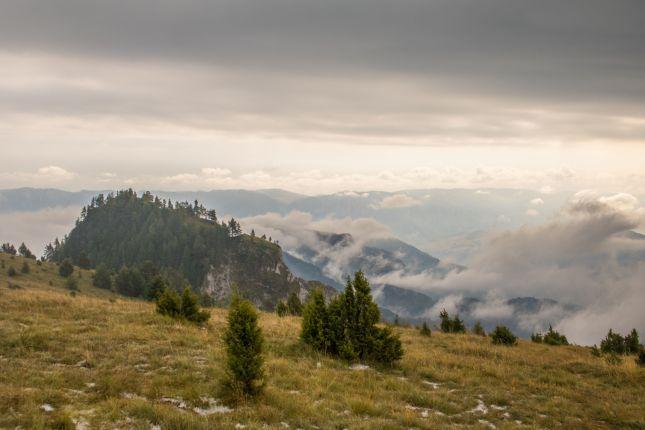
(574, 51)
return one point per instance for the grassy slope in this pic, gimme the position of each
(85, 355)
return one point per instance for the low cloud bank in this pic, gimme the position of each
(586, 255)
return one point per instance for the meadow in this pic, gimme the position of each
(96, 360)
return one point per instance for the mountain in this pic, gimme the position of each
(125, 229)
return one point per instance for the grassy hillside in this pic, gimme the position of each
(101, 361)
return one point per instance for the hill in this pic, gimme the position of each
(98, 360)
(127, 229)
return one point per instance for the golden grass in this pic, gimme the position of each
(102, 361)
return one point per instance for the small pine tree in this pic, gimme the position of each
(613, 342)
(190, 308)
(315, 322)
(457, 325)
(503, 336)
(478, 329)
(632, 343)
(552, 337)
(281, 309)
(425, 330)
(294, 304)
(25, 252)
(25, 267)
(11, 272)
(102, 277)
(66, 268)
(155, 287)
(169, 303)
(537, 337)
(244, 343)
(446, 323)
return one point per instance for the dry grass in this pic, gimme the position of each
(107, 362)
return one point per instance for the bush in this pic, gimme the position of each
(244, 342)
(156, 287)
(347, 327)
(281, 309)
(425, 330)
(11, 272)
(169, 303)
(25, 267)
(315, 322)
(595, 351)
(72, 284)
(632, 343)
(478, 329)
(190, 308)
(454, 325)
(102, 277)
(640, 360)
(66, 268)
(503, 336)
(613, 342)
(294, 304)
(551, 337)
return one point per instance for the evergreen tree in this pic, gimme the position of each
(169, 303)
(457, 325)
(8, 248)
(25, 252)
(102, 277)
(190, 308)
(281, 309)
(537, 337)
(315, 322)
(66, 268)
(613, 342)
(478, 329)
(244, 343)
(503, 336)
(130, 282)
(632, 343)
(25, 267)
(294, 304)
(446, 323)
(11, 272)
(425, 330)
(552, 337)
(155, 287)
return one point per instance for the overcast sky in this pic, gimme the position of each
(321, 96)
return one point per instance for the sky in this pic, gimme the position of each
(322, 96)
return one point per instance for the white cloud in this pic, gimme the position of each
(537, 202)
(397, 201)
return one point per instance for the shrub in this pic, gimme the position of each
(613, 342)
(478, 329)
(632, 343)
(156, 287)
(315, 322)
(102, 277)
(595, 351)
(640, 360)
(503, 336)
(11, 272)
(347, 327)
(66, 268)
(448, 325)
(244, 342)
(281, 309)
(72, 284)
(537, 337)
(294, 304)
(169, 303)
(190, 308)
(25, 267)
(552, 337)
(425, 330)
